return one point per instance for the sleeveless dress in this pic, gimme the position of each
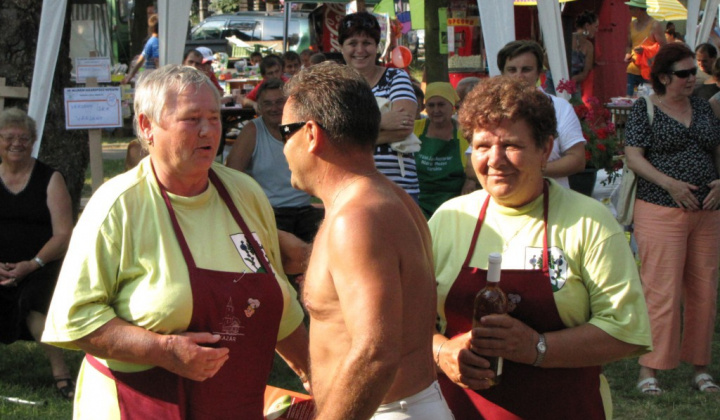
(25, 226)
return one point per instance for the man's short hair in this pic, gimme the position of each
(153, 88)
(317, 58)
(708, 49)
(518, 48)
(340, 100)
(291, 56)
(465, 85)
(504, 98)
(269, 84)
(269, 62)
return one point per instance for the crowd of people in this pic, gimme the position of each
(368, 206)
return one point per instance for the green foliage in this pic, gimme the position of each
(223, 6)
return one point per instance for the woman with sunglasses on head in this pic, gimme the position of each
(677, 226)
(35, 226)
(359, 36)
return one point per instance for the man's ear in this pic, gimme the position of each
(145, 125)
(317, 139)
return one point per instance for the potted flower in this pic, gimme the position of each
(602, 142)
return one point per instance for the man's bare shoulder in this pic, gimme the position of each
(371, 214)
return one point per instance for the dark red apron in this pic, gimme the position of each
(245, 310)
(525, 391)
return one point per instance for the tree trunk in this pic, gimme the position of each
(202, 9)
(438, 72)
(66, 151)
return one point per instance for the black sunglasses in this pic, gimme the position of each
(287, 130)
(684, 74)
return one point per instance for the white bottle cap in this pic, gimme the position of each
(494, 263)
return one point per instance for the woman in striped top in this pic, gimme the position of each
(359, 36)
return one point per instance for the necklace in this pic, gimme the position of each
(352, 181)
(507, 240)
(666, 106)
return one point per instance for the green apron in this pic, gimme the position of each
(440, 170)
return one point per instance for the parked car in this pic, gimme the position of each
(253, 28)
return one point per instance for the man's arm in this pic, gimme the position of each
(369, 291)
(134, 69)
(241, 152)
(571, 162)
(294, 350)
(295, 252)
(659, 33)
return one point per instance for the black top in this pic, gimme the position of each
(706, 91)
(25, 224)
(683, 153)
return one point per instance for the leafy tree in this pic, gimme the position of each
(224, 6)
(66, 151)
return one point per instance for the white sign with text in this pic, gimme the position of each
(90, 108)
(97, 67)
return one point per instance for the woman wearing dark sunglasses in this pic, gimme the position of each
(676, 156)
(359, 36)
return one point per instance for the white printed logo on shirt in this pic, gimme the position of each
(558, 264)
(249, 257)
(230, 325)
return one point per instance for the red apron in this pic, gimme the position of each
(245, 310)
(525, 391)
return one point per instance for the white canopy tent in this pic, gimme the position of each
(497, 19)
(697, 35)
(172, 44)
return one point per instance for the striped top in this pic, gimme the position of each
(395, 85)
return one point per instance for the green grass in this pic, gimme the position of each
(25, 374)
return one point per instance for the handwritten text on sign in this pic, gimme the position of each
(89, 108)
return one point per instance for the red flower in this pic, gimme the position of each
(601, 147)
(581, 111)
(602, 134)
(567, 86)
(588, 155)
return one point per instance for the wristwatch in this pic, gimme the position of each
(39, 262)
(541, 348)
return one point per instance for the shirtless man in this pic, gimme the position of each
(369, 287)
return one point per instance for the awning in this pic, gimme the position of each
(533, 2)
(667, 10)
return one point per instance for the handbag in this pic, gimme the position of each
(625, 204)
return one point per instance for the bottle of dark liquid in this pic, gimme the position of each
(491, 300)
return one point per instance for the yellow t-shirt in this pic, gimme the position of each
(595, 279)
(124, 261)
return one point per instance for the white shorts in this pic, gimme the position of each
(428, 404)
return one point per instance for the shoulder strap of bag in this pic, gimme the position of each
(650, 109)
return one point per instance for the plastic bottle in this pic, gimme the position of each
(491, 300)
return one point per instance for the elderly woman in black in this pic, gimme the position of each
(677, 159)
(35, 226)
